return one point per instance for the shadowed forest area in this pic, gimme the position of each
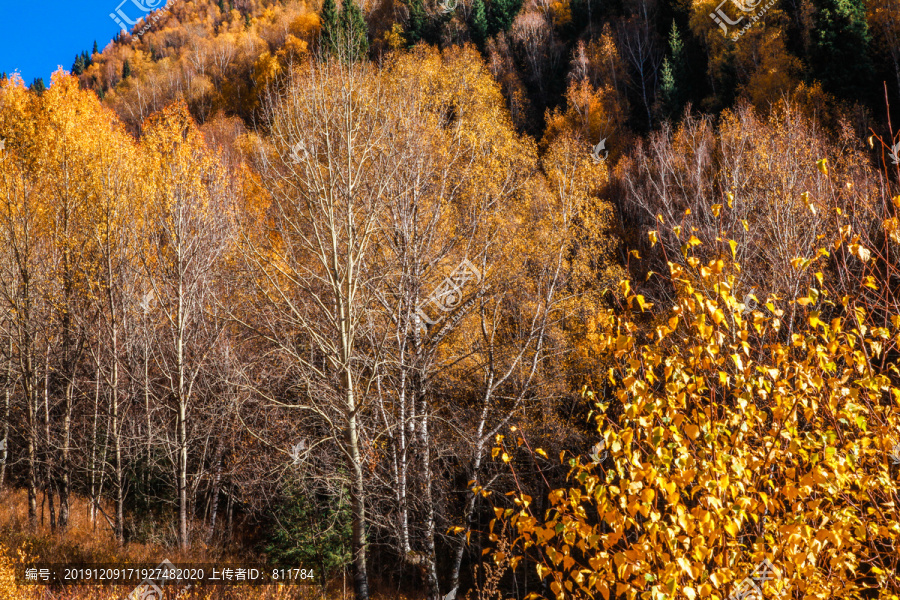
(459, 299)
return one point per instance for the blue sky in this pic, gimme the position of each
(39, 35)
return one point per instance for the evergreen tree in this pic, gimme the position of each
(668, 90)
(501, 15)
(673, 76)
(840, 48)
(222, 6)
(37, 86)
(328, 41)
(418, 21)
(354, 31)
(478, 26)
(96, 48)
(126, 69)
(78, 65)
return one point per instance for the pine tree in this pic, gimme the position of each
(673, 76)
(418, 22)
(78, 65)
(38, 86)
(329, 40)
(96, 48)
(668, 89)
(126, 69)
(354, 31)
(479, 24)
(501, 15)
(222, 6)
(839, 53)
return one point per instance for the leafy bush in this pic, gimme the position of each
(729, 439)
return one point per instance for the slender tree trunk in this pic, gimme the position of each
(31, 442)
(95, 500)
(119, 523)
(217, 480)
(229, 513)
(357, 498)
(181, 428)
(69, 374)
(48, 446)
(65, 481)
(149, 449)
(117, 446)
(7, 390)
(431, 578)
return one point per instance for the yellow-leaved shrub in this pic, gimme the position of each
(728, 438)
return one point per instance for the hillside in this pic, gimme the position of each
(482, 299)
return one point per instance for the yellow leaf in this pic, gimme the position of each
(822, 165)
(732, 528)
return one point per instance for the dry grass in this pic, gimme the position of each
(86, 543)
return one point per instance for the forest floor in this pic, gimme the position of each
(94, 543)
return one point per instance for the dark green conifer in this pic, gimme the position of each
(479, 25)
(354, 31)
(417, 27)
(501, 15)
(840, 48)
(78, 65)
(329, 38)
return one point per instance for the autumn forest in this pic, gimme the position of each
(458, 299)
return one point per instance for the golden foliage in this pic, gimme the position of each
(724, 452)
